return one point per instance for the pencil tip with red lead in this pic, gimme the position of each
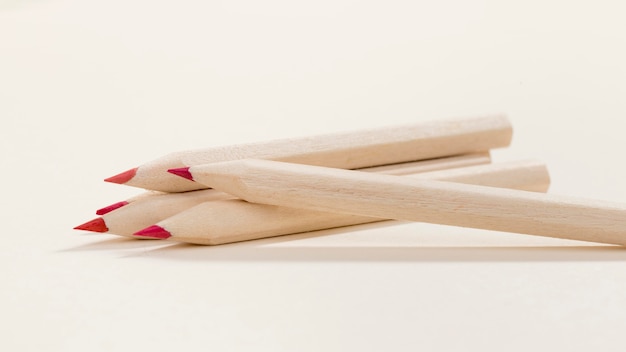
(111, 207)
(182, 172)
(122, 177)
(95, 225)
(154, 231)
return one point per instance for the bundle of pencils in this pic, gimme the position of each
(437, 172)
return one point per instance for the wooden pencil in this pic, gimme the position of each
(348, 150)
(129, 216)
(233, 220)
(403, 198)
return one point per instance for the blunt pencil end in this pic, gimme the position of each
(111, 207)
(95, 225)
(123, 177)
(182, 172)
(154, 231)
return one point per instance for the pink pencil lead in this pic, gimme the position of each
(122, 177)
(95, 225)
(111, 207)
(154, 231)
(182, 172)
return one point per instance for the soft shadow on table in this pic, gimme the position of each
(251, 253)
(293, 248)
(112, 242)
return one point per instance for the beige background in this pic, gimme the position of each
(92, 88)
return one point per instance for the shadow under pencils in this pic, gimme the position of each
(252, 252)
(115, 243)
(278, 249)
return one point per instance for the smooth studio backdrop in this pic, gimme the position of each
(91, 88)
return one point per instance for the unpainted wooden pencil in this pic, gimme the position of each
(404, 198)
(347, 150)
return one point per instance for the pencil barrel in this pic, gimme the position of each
(227, 221)
(348, 150)
(403, 198)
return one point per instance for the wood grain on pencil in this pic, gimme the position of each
(403, 198)
(235, 220)
(151, 207)
(348, 150)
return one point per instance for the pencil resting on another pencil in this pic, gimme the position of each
(348, 150)
(437, 172)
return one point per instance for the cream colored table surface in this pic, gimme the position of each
(91, 88)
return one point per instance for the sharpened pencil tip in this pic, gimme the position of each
(122, 177)
(111, 207)
(95, 225)
(154, 231)
(182, 172)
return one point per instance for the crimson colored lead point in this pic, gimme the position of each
(95, 225)
(123, 177)
(111, 207)
(154, 231)
(182, 172)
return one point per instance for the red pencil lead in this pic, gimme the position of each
(123, 177)
(111, 207)
(154, 231)
(95, 225)
(182, 172)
